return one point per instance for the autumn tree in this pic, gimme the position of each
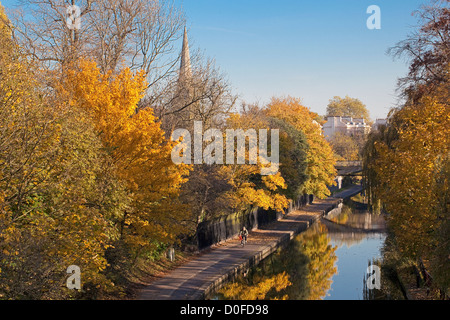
(293, 157)
(320, 159)
(57, 203)
(347, 107)
(406, 163)
(412, 168)
(344, 146)
(427, 50)
(141, 154)
(249, 185)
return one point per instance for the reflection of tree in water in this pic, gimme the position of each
(322, 261)
(301, 271)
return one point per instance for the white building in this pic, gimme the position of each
(346, 125)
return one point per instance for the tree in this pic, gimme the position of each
(344, 146)
(419, 155)
(57, 205)
(293, 157)
(249, 187)
(427, 49)
(320, 159)
(406, 163)
(141, 154)
(141, 34)
(347, 107)
(410, 172)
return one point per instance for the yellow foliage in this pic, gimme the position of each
(412, 169)
(320, 158)
(4, 21)
(246, 192)
(259, 290)
(136, 143)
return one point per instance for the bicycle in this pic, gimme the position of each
(243, 240)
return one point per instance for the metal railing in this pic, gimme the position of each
(351, 163)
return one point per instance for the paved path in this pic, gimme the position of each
(202, 275)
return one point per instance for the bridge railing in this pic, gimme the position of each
(351, 163)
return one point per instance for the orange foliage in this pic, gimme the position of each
(137, 145)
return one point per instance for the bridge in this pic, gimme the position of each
(351, 168)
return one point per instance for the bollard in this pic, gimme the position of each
(171, 254)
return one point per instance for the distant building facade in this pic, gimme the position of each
(379, 123)
(345, 125)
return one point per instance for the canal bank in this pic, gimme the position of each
(208, 272)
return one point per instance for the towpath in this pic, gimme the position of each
(207, 272)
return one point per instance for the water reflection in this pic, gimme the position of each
(328, 261)
(358, 236)
(301, 271)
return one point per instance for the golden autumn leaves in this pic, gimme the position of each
(87, 177)
(408, 169)
(412, 167)
(52, 212)
(137, 146)
(101, 185)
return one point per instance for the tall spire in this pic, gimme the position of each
(185, 66)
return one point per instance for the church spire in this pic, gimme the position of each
(185, 66)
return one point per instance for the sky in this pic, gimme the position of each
(313, 50)
(309, 49)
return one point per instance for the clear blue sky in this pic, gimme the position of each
(314, 49)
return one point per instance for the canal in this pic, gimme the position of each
(329, 261)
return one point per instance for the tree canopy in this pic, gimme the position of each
(347, 107)
(406, 164)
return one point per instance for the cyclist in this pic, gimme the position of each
(243, 236)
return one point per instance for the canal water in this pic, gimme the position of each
(329, 261)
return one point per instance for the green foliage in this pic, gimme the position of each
(293, 157)
(347, 107)
(320, 159)
(58, 204)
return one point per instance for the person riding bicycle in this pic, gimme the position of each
(243, 235)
